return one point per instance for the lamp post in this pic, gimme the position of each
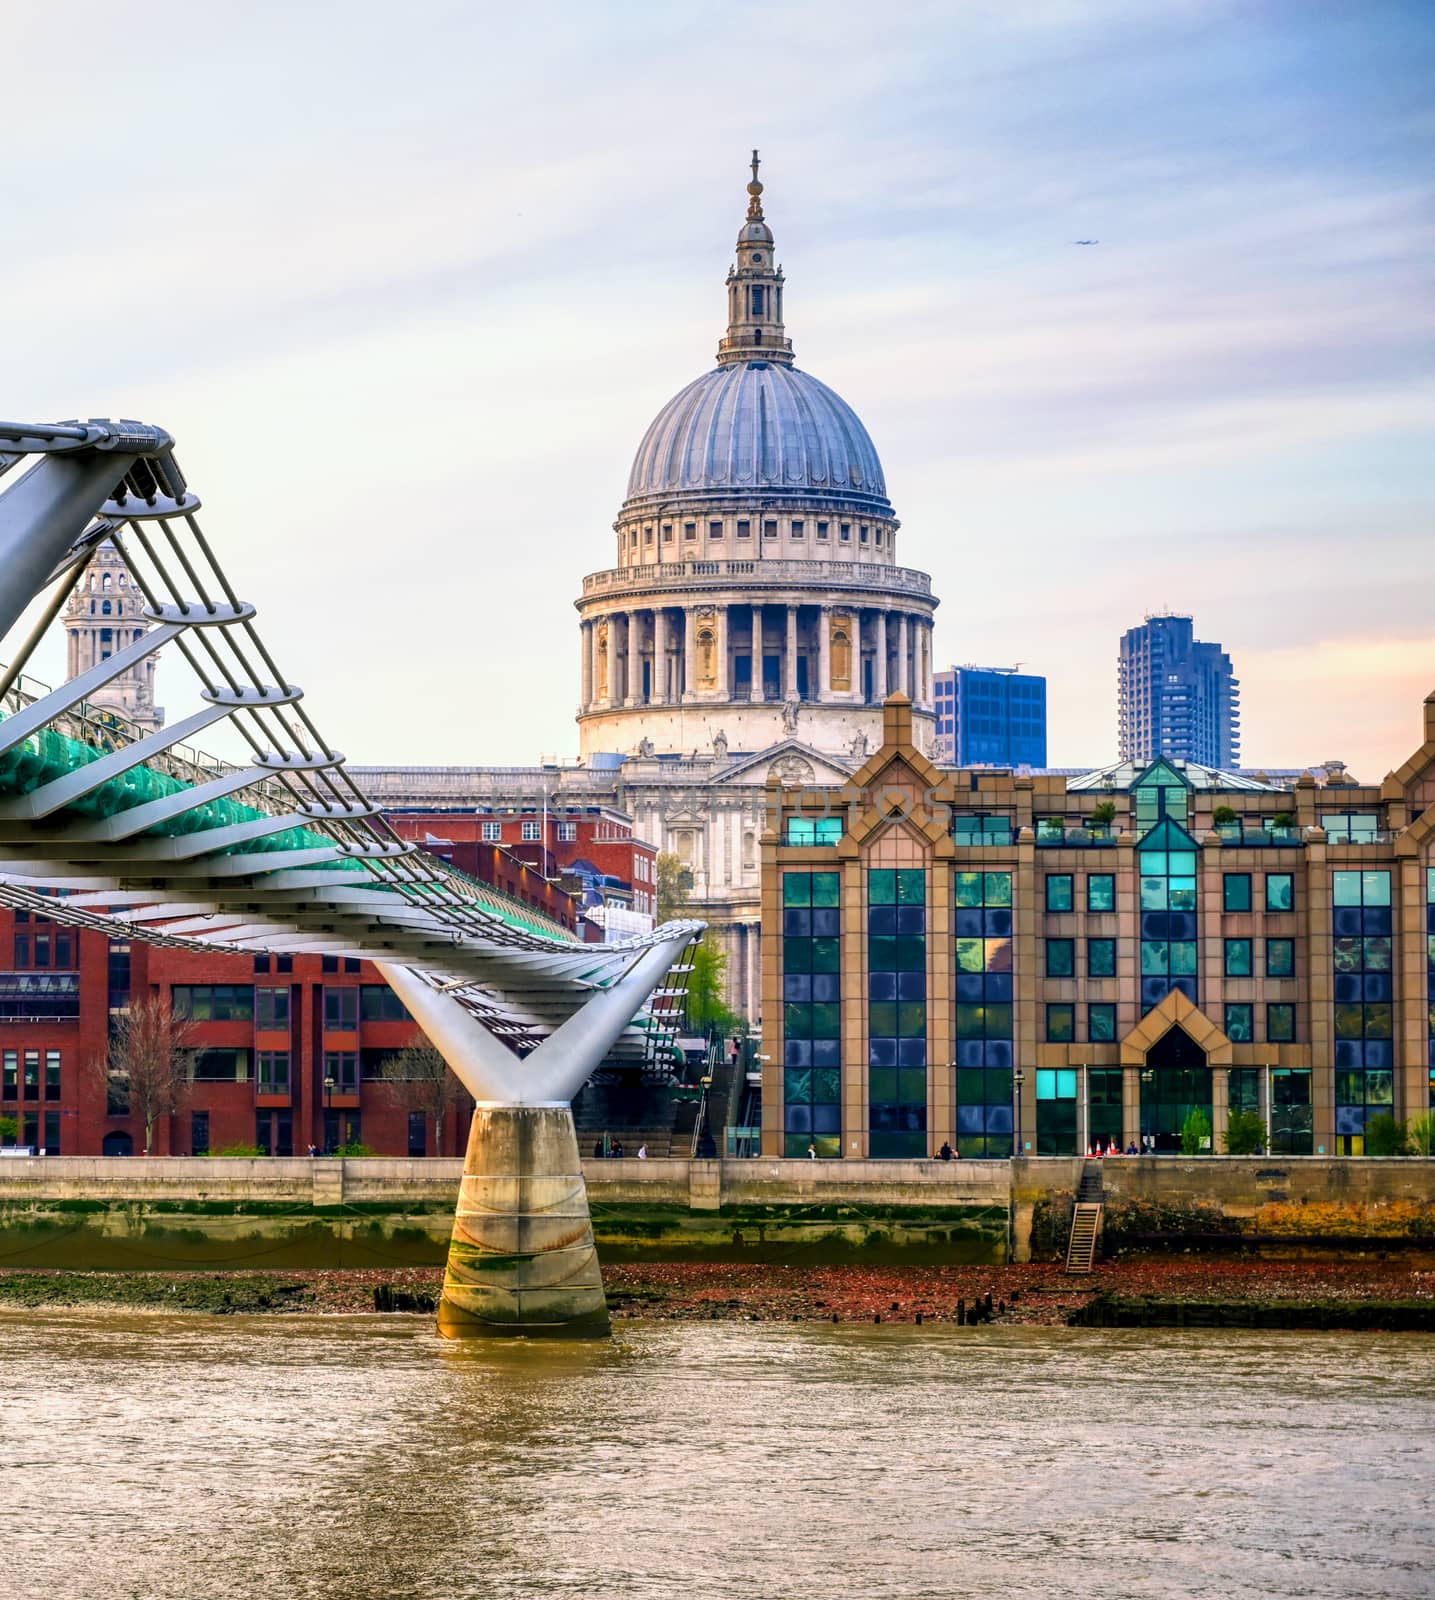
(1148, 1075)
(1018, 1078)
(328, 1096)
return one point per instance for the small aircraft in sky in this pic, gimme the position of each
(1086, 241)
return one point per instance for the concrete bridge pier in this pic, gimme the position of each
(522, 1260)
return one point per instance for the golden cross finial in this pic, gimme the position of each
(754, 189)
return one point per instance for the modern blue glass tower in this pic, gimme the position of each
(990, 716)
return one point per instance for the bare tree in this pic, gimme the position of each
(145, 1072)
(433, 1086)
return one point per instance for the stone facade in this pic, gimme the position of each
(104, 615)
(949, 953)
(755, 617)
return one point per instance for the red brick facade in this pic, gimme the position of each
(342, 1020)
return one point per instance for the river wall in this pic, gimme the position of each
(155, 1213)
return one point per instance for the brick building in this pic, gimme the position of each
(951, 955)
(590, 846)
(291, 1049)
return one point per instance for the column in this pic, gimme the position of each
(789, 657)
(690, 652)
(824, 652)
(757, 693)
(659, 696)
(635, 659)
(724, 641)
(879, 667)
(586, 633)
(904, 660)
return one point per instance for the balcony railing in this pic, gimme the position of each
(1083, 838)
(715, 574)
(1260, 838)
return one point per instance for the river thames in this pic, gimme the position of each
(159, 1456)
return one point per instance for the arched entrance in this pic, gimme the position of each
(118, 1143)
(1175, 1081)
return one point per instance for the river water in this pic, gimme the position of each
(160, 1456)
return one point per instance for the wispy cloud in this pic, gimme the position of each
(409, 294)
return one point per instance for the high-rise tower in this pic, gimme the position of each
(1176, 695)
(104, 614)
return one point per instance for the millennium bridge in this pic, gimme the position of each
(281, 851)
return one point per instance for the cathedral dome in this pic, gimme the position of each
(758, 426)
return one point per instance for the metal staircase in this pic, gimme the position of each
(1085, 1221)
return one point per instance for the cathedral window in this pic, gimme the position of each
(106, 635)
(647, 535)
(667, 533)
(821, 530)
(714, 530)
(744, 530)
(863, 532)
(798, 528)
(105, 608)
(769, 530)
(846, 530)
(690, 530)
(757, 299)
(105, 581)
(879, 538)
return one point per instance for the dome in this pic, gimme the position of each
(756, 426)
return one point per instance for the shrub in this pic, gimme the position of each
(1195, 1134)
(245, 1150)
(1245, 1133)
(1422, 1135)
(1224, 817)
(1384, 1136)
(9, 1130)
(1103, 814)
(354, 1151)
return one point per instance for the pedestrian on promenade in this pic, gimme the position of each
(597, 1149)
(812, 1152)
(946, 1152)
(617, 1149)
(642, 1152)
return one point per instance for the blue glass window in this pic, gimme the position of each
(812, 1014)
(897, 1012)
(984, 1024)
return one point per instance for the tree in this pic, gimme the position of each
(675, 884)
(434, 1089)
(1245, 1133)
(9, 1130)
(1384, 1136)
(1103, 814)
(1195, 1134)
(705, 1006)
(146, 1070)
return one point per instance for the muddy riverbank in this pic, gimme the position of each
(1039, 1294)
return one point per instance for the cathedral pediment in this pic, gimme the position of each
(791, 762)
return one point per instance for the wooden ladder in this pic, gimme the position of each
(1081, 1249)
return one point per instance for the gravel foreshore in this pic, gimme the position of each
(1036, 1294)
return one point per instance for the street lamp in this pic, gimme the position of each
(1018, 1078)
(328, 1096)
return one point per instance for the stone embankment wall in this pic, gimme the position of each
(136, 1212)
(1272, 1197)
(67, 1211)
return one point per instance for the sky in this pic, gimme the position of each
(408, 285)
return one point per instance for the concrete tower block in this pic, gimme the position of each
(522, 1260)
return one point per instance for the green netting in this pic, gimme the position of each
(48, 755)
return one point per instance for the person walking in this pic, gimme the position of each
(642, 1152)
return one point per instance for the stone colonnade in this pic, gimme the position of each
(825, 652)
